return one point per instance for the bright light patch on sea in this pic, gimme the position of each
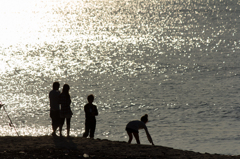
(175, 60)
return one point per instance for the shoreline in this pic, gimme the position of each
(78, 147)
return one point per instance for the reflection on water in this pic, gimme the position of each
(173, 59)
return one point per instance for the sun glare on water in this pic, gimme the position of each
(24, 21)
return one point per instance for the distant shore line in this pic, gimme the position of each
(79, 147)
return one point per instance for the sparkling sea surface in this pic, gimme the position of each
(176, 60)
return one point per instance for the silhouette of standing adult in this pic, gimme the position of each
(133, 127)
(65, 111)
(54, 107)
(90, 113)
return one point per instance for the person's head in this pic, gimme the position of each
(90, 98)
(56, 85)
(65, 88)
(144, 118)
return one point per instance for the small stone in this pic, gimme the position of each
(85, 155)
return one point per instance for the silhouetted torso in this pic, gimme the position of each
(54, 99)
(90, 112)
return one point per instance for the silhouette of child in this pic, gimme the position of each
(133, 127)
(90, 120)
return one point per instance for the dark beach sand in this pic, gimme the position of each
(78, 147)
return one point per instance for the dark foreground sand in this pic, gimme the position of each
(78, 147)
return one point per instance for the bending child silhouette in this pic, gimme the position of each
(133, 127)
(90, 113)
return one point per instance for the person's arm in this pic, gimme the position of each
(69, 101)
(148, 135)
(95, 111)
(49, 96)
(60, 100)
(86, 110)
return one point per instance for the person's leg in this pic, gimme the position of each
(130, 137)
(85, 134)
(92, 129)
(68, 126)
(55, 121)
(53, 126)
(57, 117)
(136, 137)
(61, 125)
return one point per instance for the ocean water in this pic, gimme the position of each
(175, 60)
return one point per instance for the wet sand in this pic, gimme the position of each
(78, 147)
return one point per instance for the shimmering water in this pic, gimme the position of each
(176, 60)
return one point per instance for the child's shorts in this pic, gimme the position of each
(131, 130)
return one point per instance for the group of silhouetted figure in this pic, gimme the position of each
(60, 110)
